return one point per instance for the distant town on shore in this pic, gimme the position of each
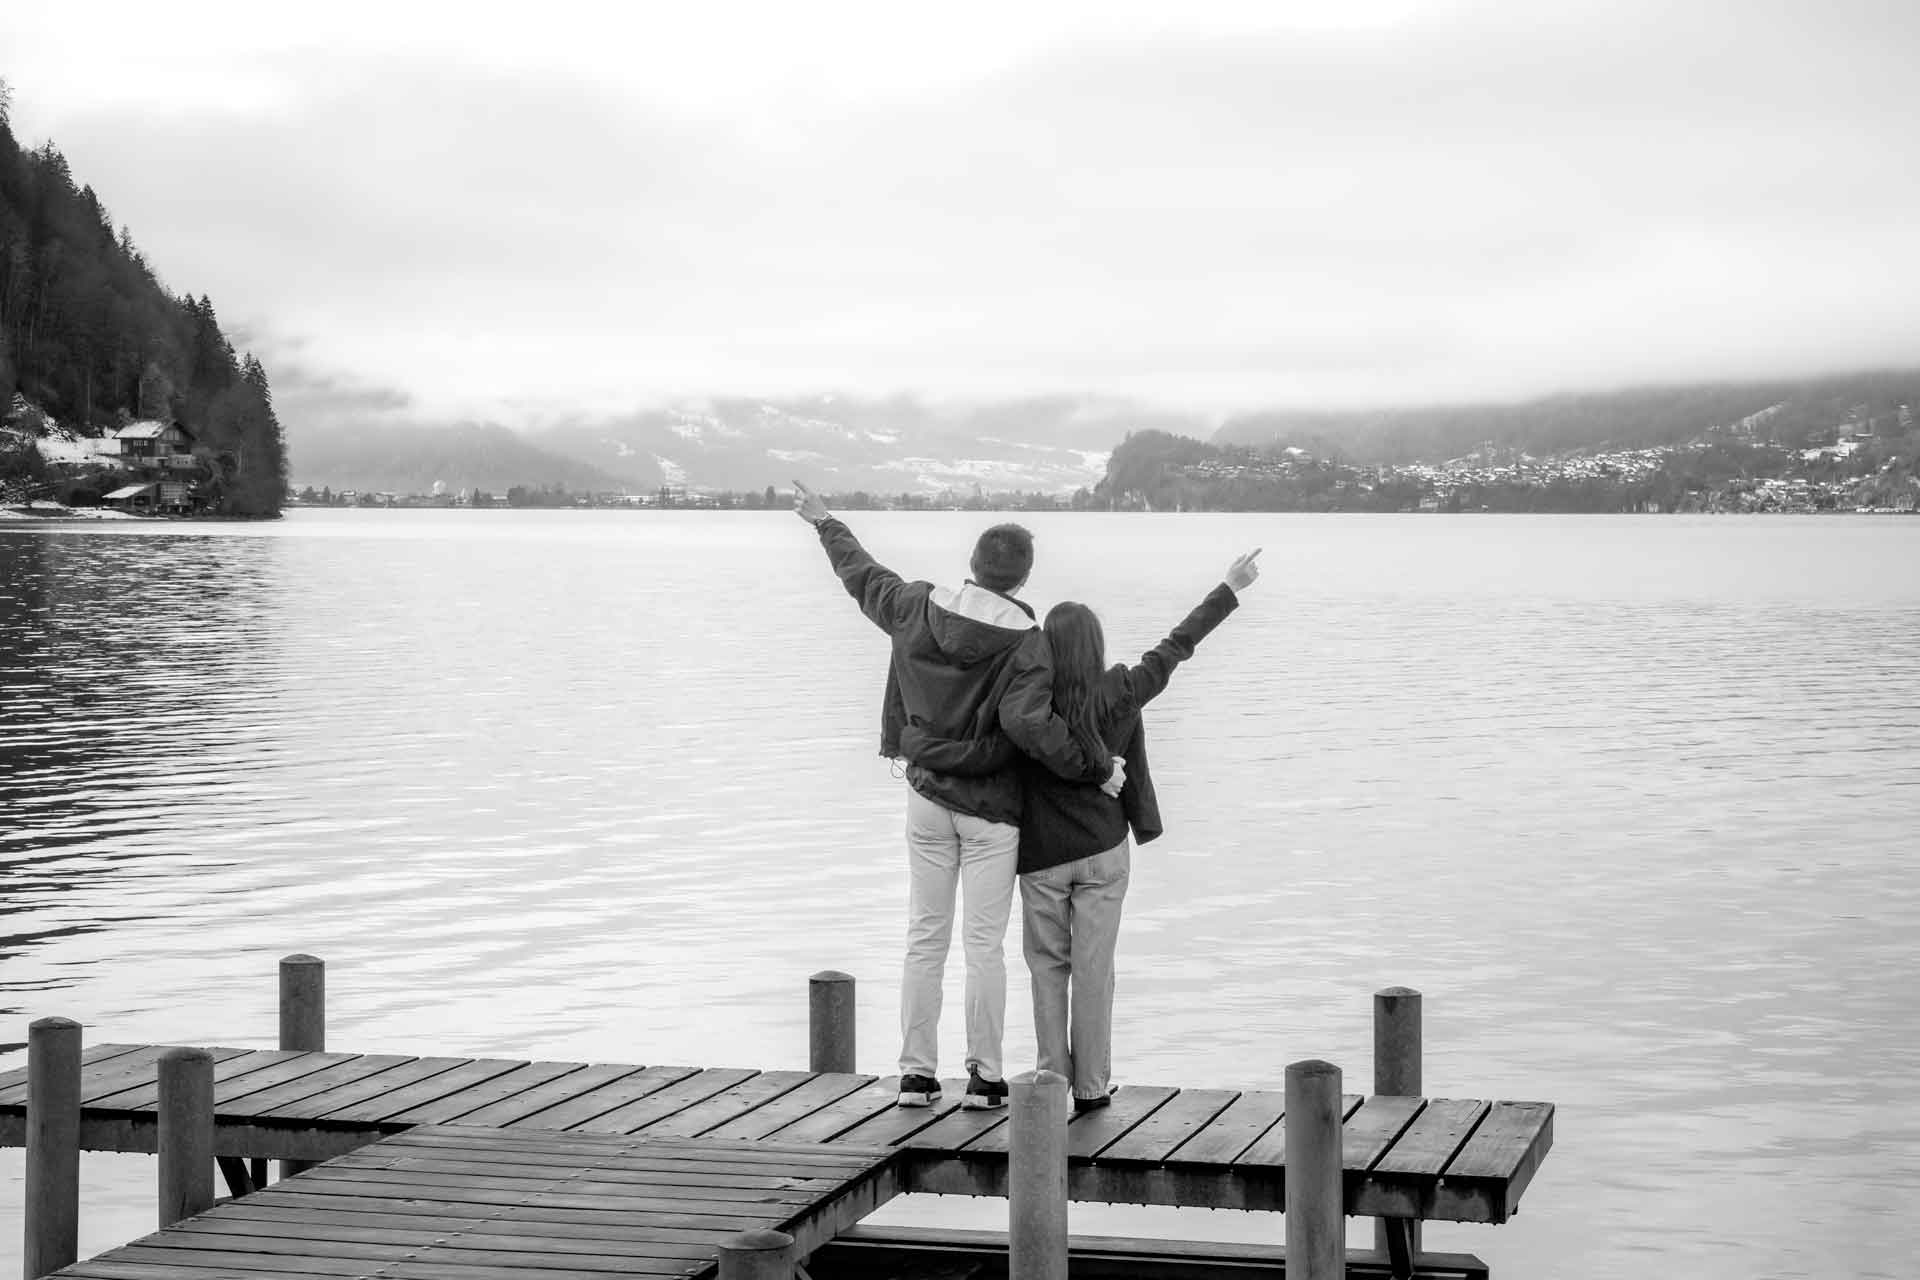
(1866, 462)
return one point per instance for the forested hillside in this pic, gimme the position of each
(1788, 412)
(92, 338)
(408, 459)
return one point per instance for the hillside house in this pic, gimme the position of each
(159, 446)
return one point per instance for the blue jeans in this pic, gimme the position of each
(1070, 915)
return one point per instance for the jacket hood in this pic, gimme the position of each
(972, 625)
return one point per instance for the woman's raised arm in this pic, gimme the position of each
(1150, 675)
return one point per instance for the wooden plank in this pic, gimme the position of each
(1168, 1127)
(608, 1097)
(661, 1103)
(449, 1268)
(957, 1128)
(895, 1124)
(442, 1084)
(421, 1247)
(524, 1105)
(1270, 1150)
(129, 1070)
(235, 1092)
(507, 1085)
(686, 1173)
(1090, 1132)
(13, 1085)
(434, 1270)
(743, 1162)
(587, 1185)
(343, 1097)
(619, 1151)
(145, 1255)
(315, 1233)
(234, 1075)
(830, 1121)
(296, 1191)
(1502, 1140)
(1369, 1131)
(1497, 1162)
(379, 1163)
(315, 1183)
(108, 1267)
(350, 1071)
(152, 1252)
(694, 1169)
(1231, 1132)
(616, 1231)
(1431, 1140)
(557, 1269)
(742, 1099)
(813, 1094)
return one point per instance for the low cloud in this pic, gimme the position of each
(1457, 202)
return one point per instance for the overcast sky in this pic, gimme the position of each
(545, 209)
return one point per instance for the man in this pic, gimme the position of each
(964, 662)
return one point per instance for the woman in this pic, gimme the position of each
(1074, 851)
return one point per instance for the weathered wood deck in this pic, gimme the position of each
(440, 1203)
(1457, 1160)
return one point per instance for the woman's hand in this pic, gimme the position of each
(1242, 572)
(808, 505)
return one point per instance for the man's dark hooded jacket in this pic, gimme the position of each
(964, 662)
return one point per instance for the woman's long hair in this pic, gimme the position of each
(1079, 659)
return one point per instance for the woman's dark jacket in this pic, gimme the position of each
(1061, 821)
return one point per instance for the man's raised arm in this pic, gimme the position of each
(876, 588)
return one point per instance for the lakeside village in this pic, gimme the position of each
(1864, 464)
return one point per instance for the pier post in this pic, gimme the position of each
(1315, 1203)
(830, 1021)
(303, 1017)
(757, 1255)
(1396, 1071)
(1037, 1176)
(53, 1146)
(185, 1126)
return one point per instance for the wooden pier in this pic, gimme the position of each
(449, 1168)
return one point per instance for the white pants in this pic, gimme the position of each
(1071, 922)
(945, 851)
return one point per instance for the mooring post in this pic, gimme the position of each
(1396, 1071)
(53, 1146)
(185, 1125)
(1316, 1209)
(830, 1021)
(1037, 1176)
(757, 1255)
(303, 1017)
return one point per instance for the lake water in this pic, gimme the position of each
(1634, 801)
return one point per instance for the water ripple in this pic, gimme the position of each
(1631, 800)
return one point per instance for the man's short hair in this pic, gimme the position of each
(1003, 558)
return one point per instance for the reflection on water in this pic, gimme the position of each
(1632, 800)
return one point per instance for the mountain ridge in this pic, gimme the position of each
(1043, 444)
